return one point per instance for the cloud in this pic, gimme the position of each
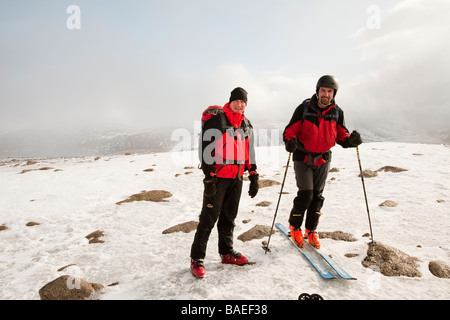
(272, 96)
(158, 67)
(406, 68)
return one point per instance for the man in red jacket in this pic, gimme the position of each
(316, 125)
(227, 151)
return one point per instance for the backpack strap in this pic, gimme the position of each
(224, 123)
(305, 107)
(333, 116)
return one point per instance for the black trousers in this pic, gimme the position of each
(310, 183)
(222, 209)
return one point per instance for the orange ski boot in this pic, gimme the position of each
(313, 238)
(296, 235)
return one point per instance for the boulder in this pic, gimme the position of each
(439, 269)
(257, 232)
(70, 288)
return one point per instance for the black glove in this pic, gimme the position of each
(254, 185)
(327, 156)
(355, 138)
(210, 189)
(291, 145)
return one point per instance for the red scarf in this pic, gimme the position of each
(234, 117)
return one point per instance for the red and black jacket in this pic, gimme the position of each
(228, 150)
(317, 130)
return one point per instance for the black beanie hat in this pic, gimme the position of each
(238, 94)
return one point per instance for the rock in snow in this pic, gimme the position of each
(185, 227)
(390, 261)
(439, 269)
(70, 288)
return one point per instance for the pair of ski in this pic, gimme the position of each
(314, 256)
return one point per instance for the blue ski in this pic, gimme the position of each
(333, 264)
(320, 268)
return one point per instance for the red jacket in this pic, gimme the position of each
(317, 130)
(228, 152)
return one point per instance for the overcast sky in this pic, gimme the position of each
(154, 63)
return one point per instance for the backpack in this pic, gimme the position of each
(213, 111)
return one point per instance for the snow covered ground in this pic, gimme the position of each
(81, 197)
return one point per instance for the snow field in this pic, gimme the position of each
(147, 264)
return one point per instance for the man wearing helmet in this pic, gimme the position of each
(315, 127)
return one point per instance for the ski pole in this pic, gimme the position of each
(365, 195)
(266, 247)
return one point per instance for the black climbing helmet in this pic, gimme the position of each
(328, 82)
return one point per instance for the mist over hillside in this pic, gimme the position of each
(110, 141)
(46, 143)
